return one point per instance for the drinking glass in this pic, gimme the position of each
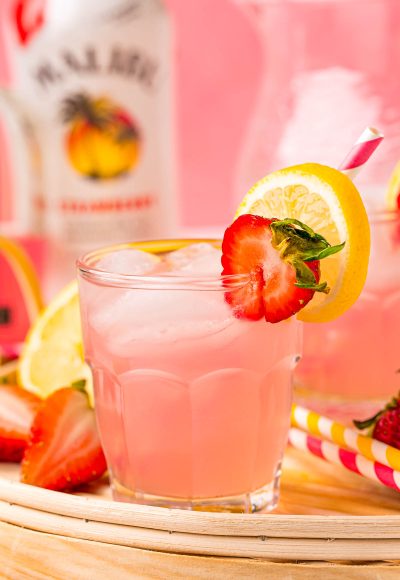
(193, 404)
(352, 364)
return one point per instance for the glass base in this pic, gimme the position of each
(265, 498)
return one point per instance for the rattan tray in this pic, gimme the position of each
(326, 514)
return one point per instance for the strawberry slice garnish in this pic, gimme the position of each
(64, 449)
(17, 410)
(281, 260)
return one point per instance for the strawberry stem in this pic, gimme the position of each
(298, 244)
(361, 425)
(79, 385)
(392, 404)
(327, 252)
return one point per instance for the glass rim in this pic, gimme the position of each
(87, 269)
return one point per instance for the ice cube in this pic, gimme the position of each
(132, 322)
(139, 316)
(200, 259)
(129, 261)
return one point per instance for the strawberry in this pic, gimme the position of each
(281, 260)
(64, 449)
(384, 425)
(17, 410)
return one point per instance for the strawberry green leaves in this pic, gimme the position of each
(298, 244)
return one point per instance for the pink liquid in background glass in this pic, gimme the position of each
(357, 357)
(191, 402)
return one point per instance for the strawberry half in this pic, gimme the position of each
(17, 410)
(64, 449)
(384, 425)
(281, 259)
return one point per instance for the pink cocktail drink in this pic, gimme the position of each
(354, 361)
(192, 403)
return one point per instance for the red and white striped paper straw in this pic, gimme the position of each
(321, 426)
(361, 152)
(349, 459)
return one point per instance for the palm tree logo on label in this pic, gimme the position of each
(103, 141)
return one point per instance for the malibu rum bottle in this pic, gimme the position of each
(94, 78)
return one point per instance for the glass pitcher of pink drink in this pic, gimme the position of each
(328, 70)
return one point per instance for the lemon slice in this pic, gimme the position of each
(393, 191)
(327, 201)
(52, 356)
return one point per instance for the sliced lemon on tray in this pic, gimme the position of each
(327, 201)
(52, 356)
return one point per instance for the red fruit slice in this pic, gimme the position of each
(282, 298)
(273, 254)
(64, 449)
(246, 246)
(17, 410)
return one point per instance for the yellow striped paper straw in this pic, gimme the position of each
(343, 436)
(351, 460)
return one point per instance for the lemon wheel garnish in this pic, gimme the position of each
(327, 201)
(393, 191)
(52, 356)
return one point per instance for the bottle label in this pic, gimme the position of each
(98, 91)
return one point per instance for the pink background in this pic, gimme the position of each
(218, 62)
